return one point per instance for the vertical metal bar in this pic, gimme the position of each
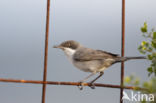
(122, 49)
(46, 52)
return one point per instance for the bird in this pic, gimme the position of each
(90, 60)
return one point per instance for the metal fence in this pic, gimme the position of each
(44, 82)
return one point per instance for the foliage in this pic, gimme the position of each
(148, 48)
(149, 85)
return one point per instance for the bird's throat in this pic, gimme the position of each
(69, 52)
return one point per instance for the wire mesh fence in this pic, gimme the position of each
(44, 82)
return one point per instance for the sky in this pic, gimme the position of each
(94, 23)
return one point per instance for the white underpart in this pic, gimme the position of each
(69, 53)
(89, 66)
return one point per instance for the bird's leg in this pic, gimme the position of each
(82, 81)
(92, 85)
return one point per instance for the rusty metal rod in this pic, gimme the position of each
(69, 83)
(122, 49)
(46, 51)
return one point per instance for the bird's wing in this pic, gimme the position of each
(88, 54)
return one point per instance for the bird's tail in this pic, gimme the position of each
(121, 59)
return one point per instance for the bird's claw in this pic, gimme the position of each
(80, 86)
(92, 86)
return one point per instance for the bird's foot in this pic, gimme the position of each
(80, 86)
(92, 86)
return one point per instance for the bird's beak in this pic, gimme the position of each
(57, 46)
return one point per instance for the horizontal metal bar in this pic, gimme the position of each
(69, 83)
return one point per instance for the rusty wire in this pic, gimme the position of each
(122, 49)
(46, 52)
(44, 82)
(69, 83)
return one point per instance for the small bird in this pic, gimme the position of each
(90, 60)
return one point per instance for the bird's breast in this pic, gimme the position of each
(87, 66)
(69, 53)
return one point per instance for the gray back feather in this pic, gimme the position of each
(87, 54)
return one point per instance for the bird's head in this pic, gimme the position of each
(69, 47)
(70, 44)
